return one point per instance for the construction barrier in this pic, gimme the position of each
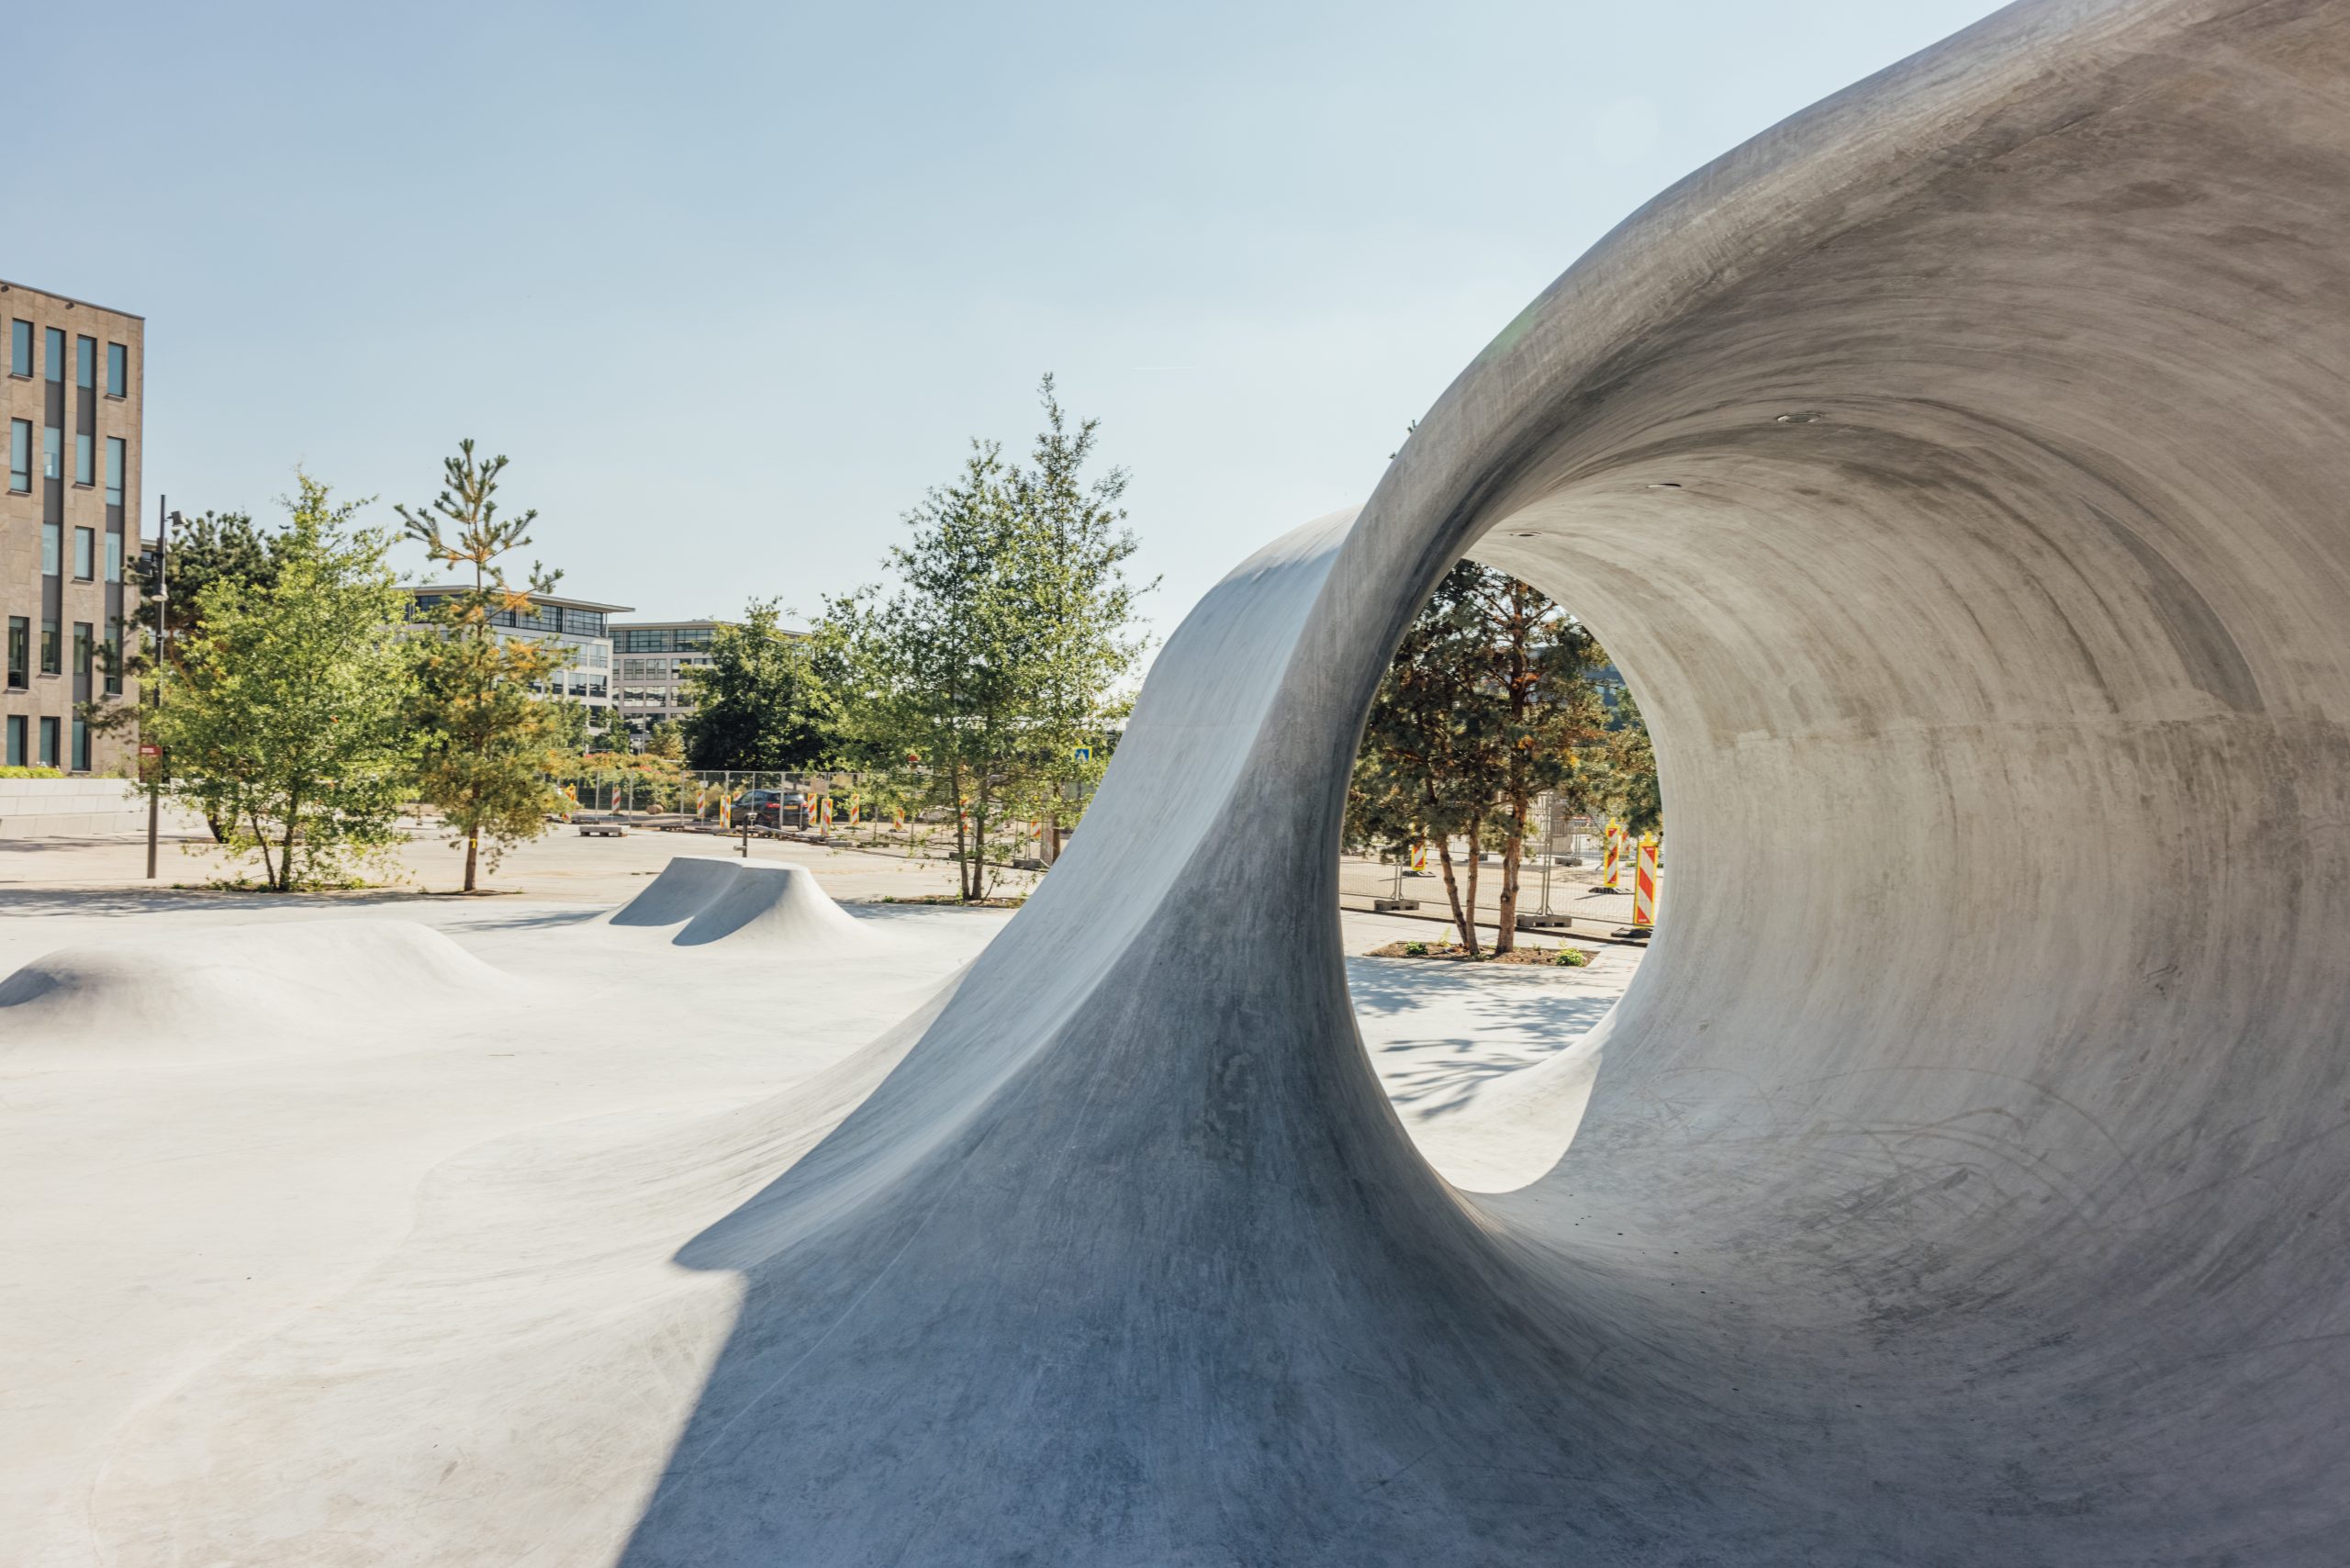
(1644, 885)
(1614, 839)
(1419, 857)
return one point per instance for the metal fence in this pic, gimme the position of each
(851, 808)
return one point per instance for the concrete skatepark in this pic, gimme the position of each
(1961, 461)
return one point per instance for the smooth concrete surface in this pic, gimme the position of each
(402, 1175)
(1961, 460)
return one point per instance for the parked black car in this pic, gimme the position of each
(775, 809)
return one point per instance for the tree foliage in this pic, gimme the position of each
(1493, 699)
(209, 548)
(283, 723)
(1000, 654)
(486, 742)
(760, 702)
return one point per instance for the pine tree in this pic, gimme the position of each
(487, 740)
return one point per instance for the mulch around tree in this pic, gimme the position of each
(1454, 952)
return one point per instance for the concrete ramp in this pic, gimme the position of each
(268, 988)
(711, 900)
(775, 904)
(685, 886)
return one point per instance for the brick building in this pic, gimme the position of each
(69, 520)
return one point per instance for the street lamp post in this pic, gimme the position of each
(151, 753)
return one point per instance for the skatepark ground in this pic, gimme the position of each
(224, 1116)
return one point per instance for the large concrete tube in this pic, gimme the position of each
(1959, 472)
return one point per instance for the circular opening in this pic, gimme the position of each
(1501, 872)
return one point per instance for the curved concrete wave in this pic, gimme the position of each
(1958, 470)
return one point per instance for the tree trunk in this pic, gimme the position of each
(1452, 889)
(1513, 855)
(1468, 927)
(285, 855)
(472, 854)
(260, 840)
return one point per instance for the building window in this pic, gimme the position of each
(15, 740)
(21, 652)
(113, 557)
(52, 453)
(20, 348)
(117, 460)
(82, 641)
(85, 362)
(85, 460)
(48, 545)
(81, 747)
(113, 659)
(48, 742)
(20, 454)
(85, 554)
(53, 348)
(50, 662)
(117, 371)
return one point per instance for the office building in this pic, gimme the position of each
(68, 521)
(576, 626)
(653, 657)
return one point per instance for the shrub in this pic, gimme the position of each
(30, 773)
(1416, 949)
(1572, 959)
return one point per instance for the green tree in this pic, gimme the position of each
(1535, 706)
(212, 547)
(285, 721)
(761, 702)
(209, 548)
(996, 657)
(667, 740)
(486, 741)
(1429, 755)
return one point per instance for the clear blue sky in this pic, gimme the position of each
(732, 284)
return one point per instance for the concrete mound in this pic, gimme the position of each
(263, 990)
(725, 900)
(685, 886)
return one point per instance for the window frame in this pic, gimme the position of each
(52, 347)
(117, 369)
(85, 461)
(21, 347)
(49, 740)
(25, 429)
(86, 555)
(85, 362)
(19, 674)
(52, 654)
(117, 469)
